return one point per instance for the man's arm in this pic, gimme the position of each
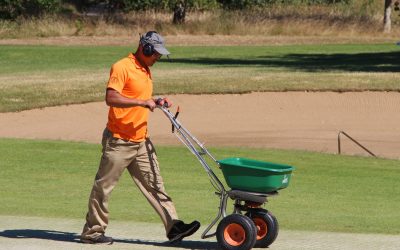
(115, 99)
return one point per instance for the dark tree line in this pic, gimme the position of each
(11, 9)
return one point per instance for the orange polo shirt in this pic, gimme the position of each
(131, 80)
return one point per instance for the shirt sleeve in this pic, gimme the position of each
(117, 78)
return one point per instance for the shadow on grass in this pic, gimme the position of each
(40, 234)
(185, 244)
(73, 237)
(361, 62)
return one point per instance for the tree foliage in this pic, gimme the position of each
(138, 5)
(243, 4)
(11, 9)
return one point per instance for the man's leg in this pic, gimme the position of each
(145, 172)
(117, 155)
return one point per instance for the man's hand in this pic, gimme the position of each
(150, 104)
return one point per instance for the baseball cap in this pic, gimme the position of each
(155, 39)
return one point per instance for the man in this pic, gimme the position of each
(126, 144)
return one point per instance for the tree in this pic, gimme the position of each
(387, 22)
(179, 13)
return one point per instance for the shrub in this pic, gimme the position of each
(135, 5)
(245, 4)
(11, 9)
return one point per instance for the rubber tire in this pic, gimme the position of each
(272, 226)
(247, 225)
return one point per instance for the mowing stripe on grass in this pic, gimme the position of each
(40, 76)
(327, 192)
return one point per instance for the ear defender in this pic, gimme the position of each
(148, 48)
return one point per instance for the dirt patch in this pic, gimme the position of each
(286, 120)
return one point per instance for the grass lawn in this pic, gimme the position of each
(40, 76)
(327, 192)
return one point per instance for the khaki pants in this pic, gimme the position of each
(141, 161)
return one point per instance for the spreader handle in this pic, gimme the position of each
(158, 102)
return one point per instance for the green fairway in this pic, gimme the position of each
(40, 76)
(327, 192)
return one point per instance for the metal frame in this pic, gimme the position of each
(353, 140)
(191, 142)
(238, 196)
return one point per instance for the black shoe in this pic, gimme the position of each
(181, 230)
(102, 239)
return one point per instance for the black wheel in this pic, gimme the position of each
(267, 227)
(236, 232)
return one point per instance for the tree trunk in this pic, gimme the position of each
(387, 23)
(179, 13)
